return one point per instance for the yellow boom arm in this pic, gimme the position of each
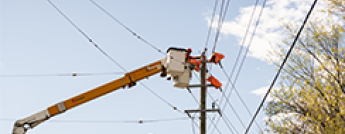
(22, 125)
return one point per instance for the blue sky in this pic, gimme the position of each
(35, 39)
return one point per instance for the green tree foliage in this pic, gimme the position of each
(310, 97)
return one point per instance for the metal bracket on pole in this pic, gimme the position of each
(206, 110)
(198, 85)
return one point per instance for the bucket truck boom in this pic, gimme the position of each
(174, 65)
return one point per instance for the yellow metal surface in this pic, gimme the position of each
(132, 76)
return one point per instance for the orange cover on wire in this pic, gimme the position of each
(214, 82)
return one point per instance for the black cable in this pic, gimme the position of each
(113, 60)
(126, 27)
(85, 35)
(130, 30)
(196, 100)
(245, 37)
(281, 67)
(59, 74)
(220, 24)
(243, 60)
(226, 120)
(193, 123)
(109, 57)
(220, 16)
(210, 27)
(236, 114)
(238, 55)
(241, 99)
(161, 98)
(112, 121)
(70, 21)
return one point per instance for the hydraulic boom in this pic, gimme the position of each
(130, 79)
(177, 65)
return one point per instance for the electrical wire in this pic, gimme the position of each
(85, 35)
(192, 124)
(108, 56)
(243, 60)
(226, 122)
(236, 114)
(104, 53)
(126, 27)
(245, 37)
(210, 27)
(161, 98)
(220, 23)
(112, 121)
(221, 19)
(130, 30)
(60, 74)
(226, 119)
(234, 67)
(281, 66)
(196, 100)
(227, 101)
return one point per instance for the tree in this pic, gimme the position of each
(310, 97)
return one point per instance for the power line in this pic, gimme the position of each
(108, 56)
(220, 23)
(210, 28)
(245, 36)
(130, 30)
(221, 19)
(126, 27)
(226, 120)
(101, 50)
(281, 66)
(112, 121)
(60, 74)
(244, 57)
(196, 100)
(233, 69)
(85, 35)
(233, 109)
(193, 123)
(161, 98)
(146, 42)
(227, 123)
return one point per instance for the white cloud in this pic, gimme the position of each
(269, 30)
(260, 91)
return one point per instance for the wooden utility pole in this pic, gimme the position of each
(203, 90)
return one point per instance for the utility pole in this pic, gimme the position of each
(203, 90)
